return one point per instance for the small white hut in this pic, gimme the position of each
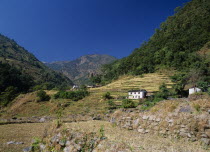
(194, 90)
(75, 87)
(137, 94)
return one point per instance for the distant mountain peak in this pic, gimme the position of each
(79, 69)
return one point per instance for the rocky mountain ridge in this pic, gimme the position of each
(82, 68)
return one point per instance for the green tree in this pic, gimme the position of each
(42, 96)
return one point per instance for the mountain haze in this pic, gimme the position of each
(81, 69)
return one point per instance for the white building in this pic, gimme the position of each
(75, 87)
(194, 90)
(137, 94)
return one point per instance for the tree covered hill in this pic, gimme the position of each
(175, 44)
(21, 70)
(82, 68)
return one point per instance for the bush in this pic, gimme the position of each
(8, 95)
(42, 96)
(111, 104)
(128, 104)
(74, 95)
(107, 96)
(163, 92)
(209, 91)
(150, 102)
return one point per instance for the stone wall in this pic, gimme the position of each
(180, 124)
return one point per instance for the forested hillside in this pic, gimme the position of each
(21, 71)
(175, 45)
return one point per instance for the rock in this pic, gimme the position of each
(27, 149)
(163, 132)
(16, 143)
(183, 134)
(135, 123)
(209, 111)
(207, 132)
(42, 120)
(158, 119)
(62, 142)
(98, 117)
(112, 120)
(78, 147)
(205, 141)
(182, 130)
(42, 147)
(141, 131)
(147, 130)
(186, 109)
(68, 143)
(68, 149)
(10, 142)
(204, 136)
(19, 143)
(170, 121)
(55, 139)
(151, 118)
(183, 126)
(145, 117)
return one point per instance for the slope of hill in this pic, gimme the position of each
(175, 44)
(15, 60)
(81, 69)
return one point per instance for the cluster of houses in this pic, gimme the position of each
(140, 94)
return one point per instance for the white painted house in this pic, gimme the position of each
(194, 90)
(75, 87)
(137, 94)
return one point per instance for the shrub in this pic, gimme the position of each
(8, 95)
(209, 91)
(74, 95)
(128, 104)
(107, 96)
(111, 104)
(197, 107)
(42, 96)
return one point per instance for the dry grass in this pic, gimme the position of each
(150, 82)
(25, 105)
(137, 142)
(19, 133)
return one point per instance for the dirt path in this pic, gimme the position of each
(19, 133)
(136, 141)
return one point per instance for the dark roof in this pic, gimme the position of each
(138, 90)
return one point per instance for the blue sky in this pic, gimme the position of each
(56, 30)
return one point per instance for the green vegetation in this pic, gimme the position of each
(127, 103)
(12, 82)
(175, 45)
(26, 63)
(111, 105)
(197, 107)
(162, 94)
(107, 95)
(42, 96)
(74, 95)
(22, 72)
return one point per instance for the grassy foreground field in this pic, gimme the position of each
(19, 133)
(136, 142)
